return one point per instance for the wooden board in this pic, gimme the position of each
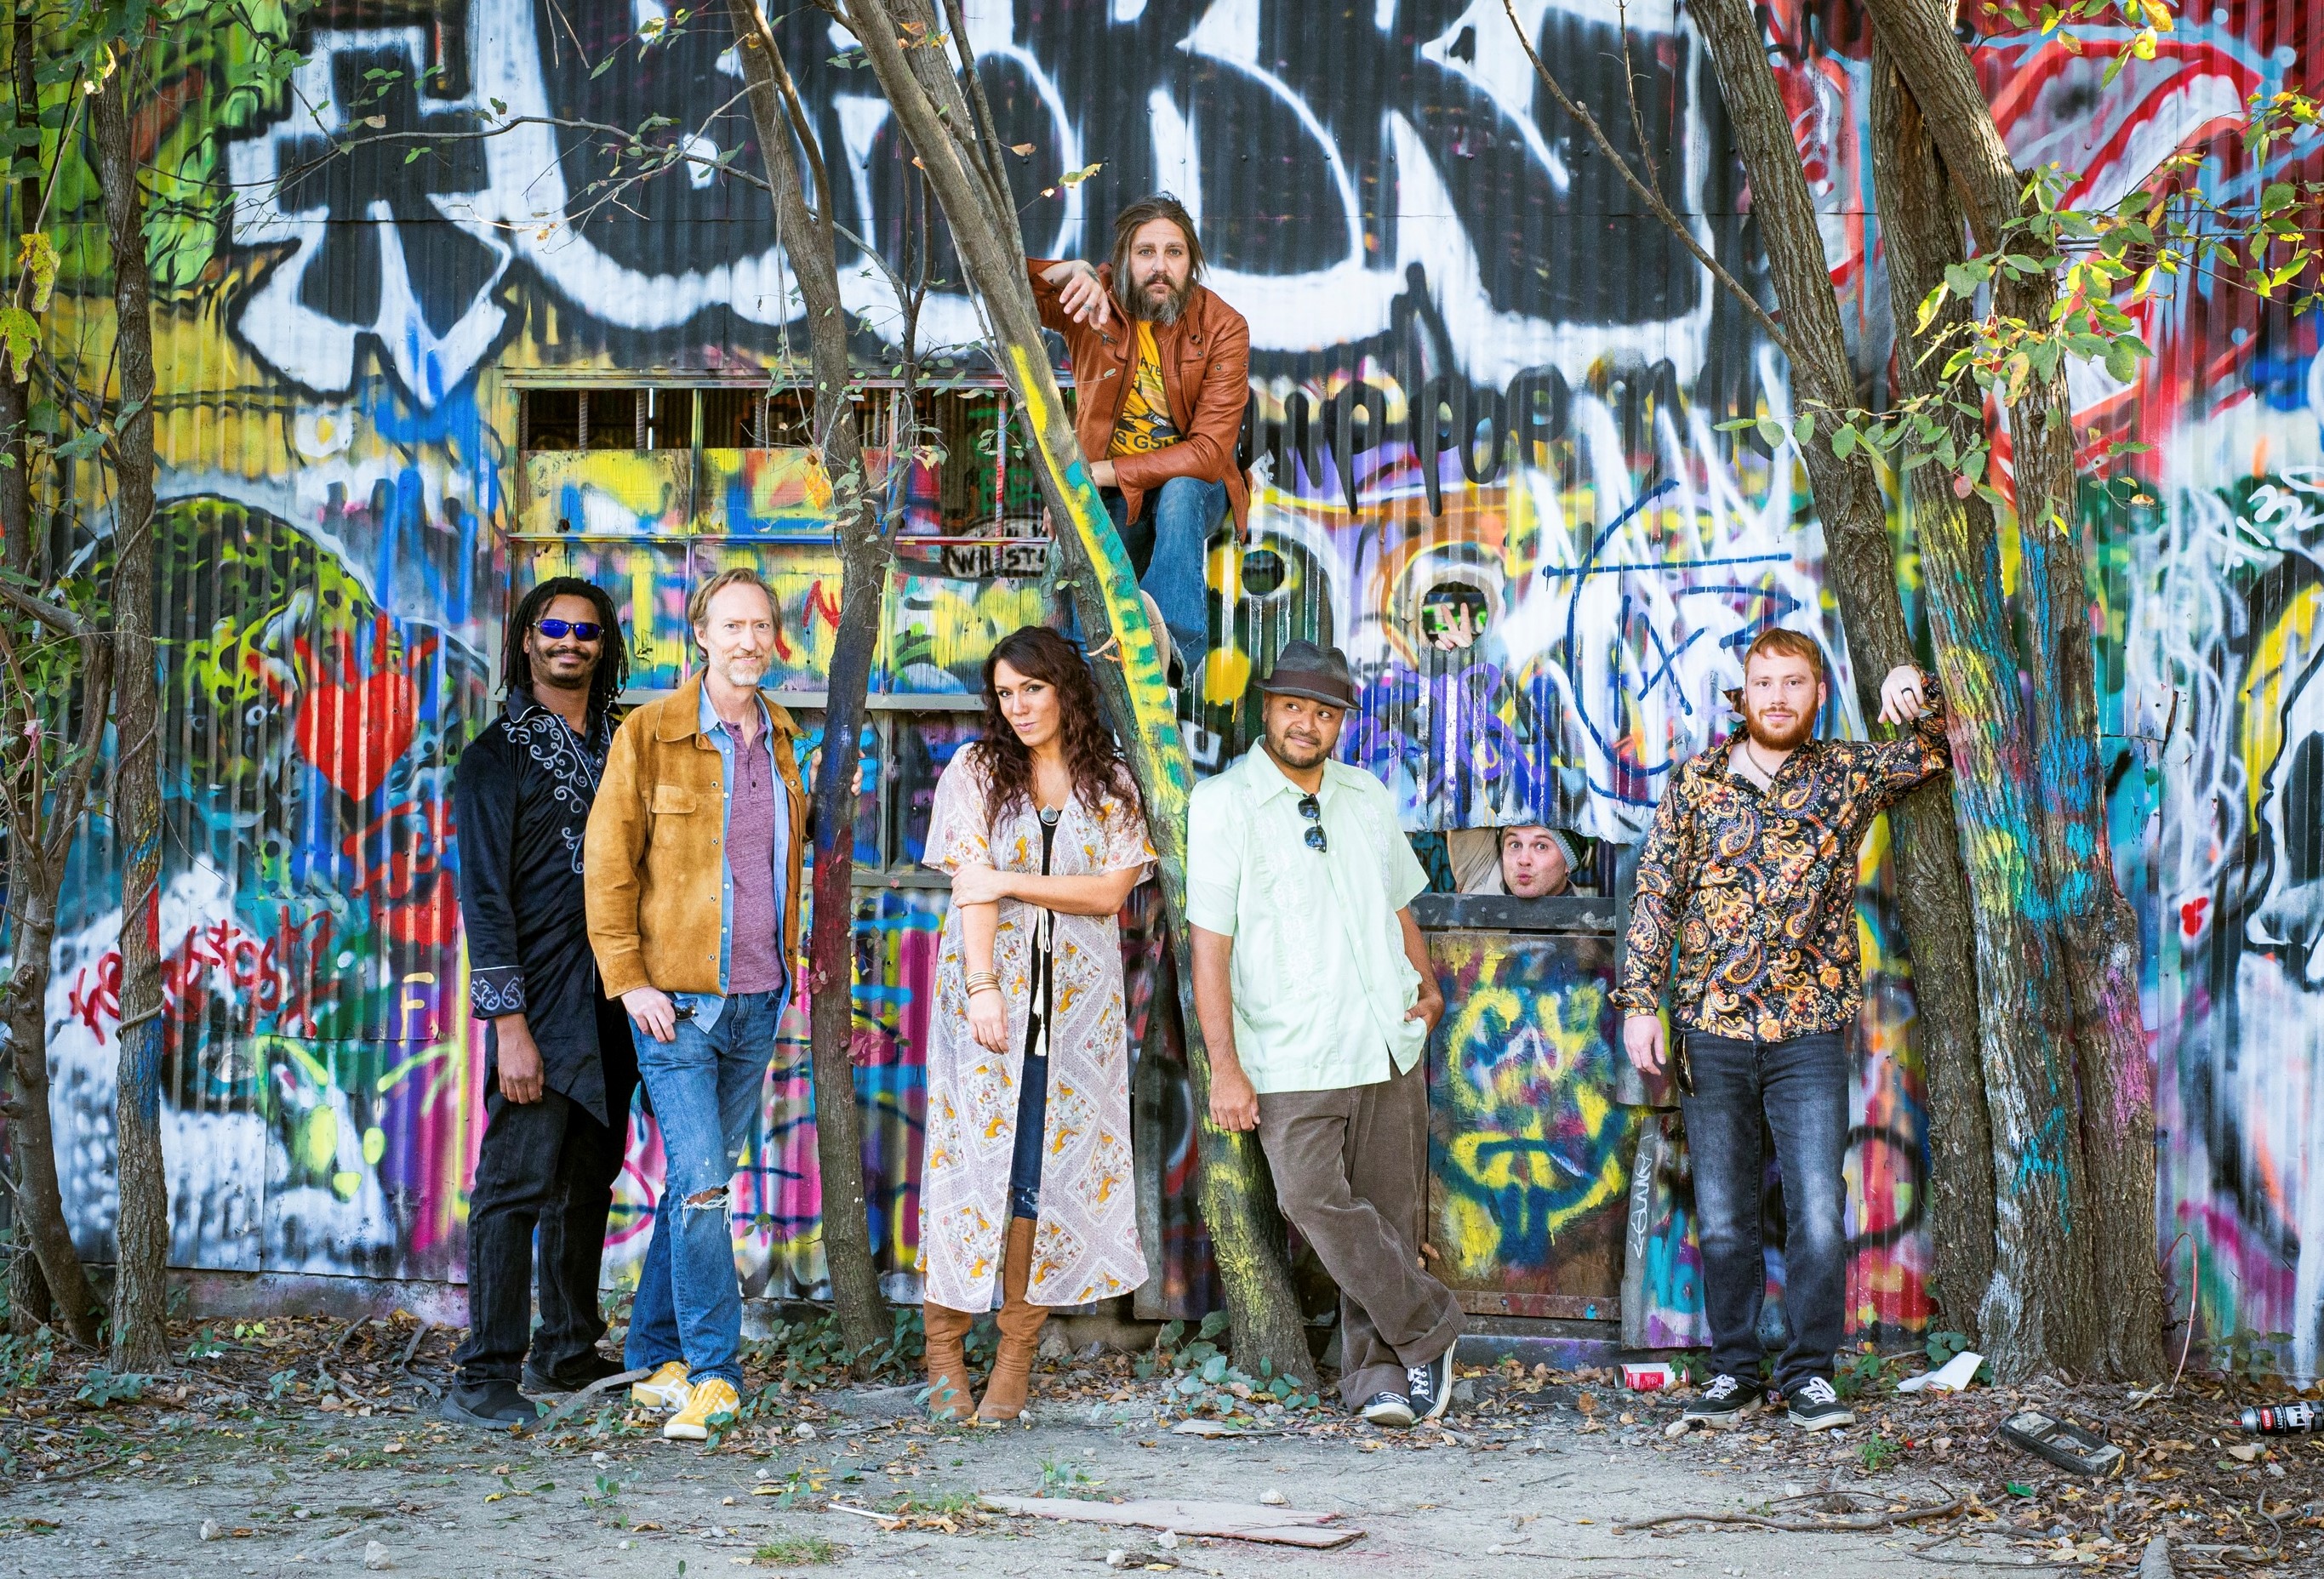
(1232, 1520)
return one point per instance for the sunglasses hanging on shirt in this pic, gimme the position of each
(1313, 810)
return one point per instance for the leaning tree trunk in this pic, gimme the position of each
(47, 1268)
(2099, 932)
(141, 1340)
(1933, 887)
(904, 40)
(810, 248)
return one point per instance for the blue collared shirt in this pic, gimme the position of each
(708, 1005)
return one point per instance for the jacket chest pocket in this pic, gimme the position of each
(675, 800)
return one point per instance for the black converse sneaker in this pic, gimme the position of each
(1815, 1407)
(1387, 1408)
(1431, 1385)
(1723, 1401)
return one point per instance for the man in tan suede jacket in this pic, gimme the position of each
(692, 861)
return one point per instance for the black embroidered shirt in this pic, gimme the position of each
(520, 800)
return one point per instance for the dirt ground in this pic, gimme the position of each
(285, 1448)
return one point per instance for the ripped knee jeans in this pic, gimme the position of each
(704, 1086)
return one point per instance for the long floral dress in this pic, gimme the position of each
(1086, 1246)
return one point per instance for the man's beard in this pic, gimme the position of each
(1793, 736)
(1300, 756)
(1165, 312)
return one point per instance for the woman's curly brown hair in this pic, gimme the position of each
(1038, 653)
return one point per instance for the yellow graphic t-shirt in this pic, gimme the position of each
(1145, 423)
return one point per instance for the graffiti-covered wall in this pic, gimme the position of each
(1486, 391)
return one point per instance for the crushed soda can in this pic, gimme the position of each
(1651, 1377)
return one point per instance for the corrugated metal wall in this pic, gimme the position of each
(1486, 391)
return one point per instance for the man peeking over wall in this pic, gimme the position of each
(1750, 871)
(1161, 370)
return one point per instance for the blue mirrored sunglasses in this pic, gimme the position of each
(558, 629)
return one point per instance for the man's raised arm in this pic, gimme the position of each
(1069, 292)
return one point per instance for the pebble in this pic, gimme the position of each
(210, 1530)
(376, 1557)
(1273, 1498)
(1116, 1558)
(806, 1432)
(1167, 1540)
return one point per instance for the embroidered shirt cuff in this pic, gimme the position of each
(496, 989)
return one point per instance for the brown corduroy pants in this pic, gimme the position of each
(1350, 1172)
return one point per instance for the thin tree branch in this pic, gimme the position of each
(1647, 195)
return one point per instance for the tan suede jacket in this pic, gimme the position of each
(652, 858)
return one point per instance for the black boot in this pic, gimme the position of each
(496, 1405)
(573, 1375)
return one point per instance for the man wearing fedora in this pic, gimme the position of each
(1316, 999)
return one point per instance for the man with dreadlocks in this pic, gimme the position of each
(560, 1067)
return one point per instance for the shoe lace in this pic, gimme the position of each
(1419, 1378)
(1816, 1389)
(1722, 1389)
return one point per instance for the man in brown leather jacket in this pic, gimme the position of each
(1161, 370)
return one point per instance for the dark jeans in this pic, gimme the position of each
(1032, 1125)
(1797, 1089)
(546, 1165)
(1168, 546)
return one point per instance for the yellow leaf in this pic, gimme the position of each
(1020, 148)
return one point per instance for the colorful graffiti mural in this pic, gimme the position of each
(1484, 427)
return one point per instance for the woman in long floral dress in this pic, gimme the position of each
(1026, 1185)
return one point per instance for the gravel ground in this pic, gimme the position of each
(247, 1462)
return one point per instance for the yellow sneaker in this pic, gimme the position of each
(666, 1389)
(705, 1399)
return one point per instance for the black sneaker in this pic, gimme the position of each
(1431, 1385)
(1724, 1400)
(1387, 1408)
(1815, 1407)
(573, 1375)
(495, 1405)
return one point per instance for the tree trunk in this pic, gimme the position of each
(2099, 933)
(1932, 888)
(904, 40)
(39, 1204)
(141, 1340)
(808, 244)
(2033, 1089)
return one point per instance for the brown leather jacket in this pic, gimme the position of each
(652, 857)
(1205, 374)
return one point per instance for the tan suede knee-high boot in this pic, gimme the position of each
(1020, 1321)
(948, 1392)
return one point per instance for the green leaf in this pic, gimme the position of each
(1737, 424)
(1963, 279)
(19, 335)
(1804, 430)
(2121, 361)
(1843, 442)
(1771, 433)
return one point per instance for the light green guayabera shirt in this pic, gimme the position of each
(1319, 977)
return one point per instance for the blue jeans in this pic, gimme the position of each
(1797, 1089)
(1168, 545)
(704, 1089)
(1032, 1126)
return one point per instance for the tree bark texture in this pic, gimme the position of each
(2028, 1079)
(808, 244)
(140, 1288)
(2099, 933)
(1933, 887)
(906, 43)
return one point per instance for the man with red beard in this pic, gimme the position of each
(1750, 869)
(1161, 373)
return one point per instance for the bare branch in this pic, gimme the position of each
(1649, 196)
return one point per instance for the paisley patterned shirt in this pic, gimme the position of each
(1757, 888)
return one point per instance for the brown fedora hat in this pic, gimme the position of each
(1316, 672)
